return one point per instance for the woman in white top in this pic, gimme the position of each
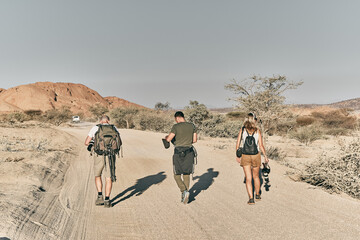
(251, 158)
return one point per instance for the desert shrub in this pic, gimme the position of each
(218, 126)
(58, 116)
(336, 119)
(337, 131)
(274, 153)
(236, 115)
(142, 119)
(304, 121)
(318, 115)
(3, 117)
(124, 116)
(339, 119)
(17, 117)
(153, 121)
(98, 110)
(196, 113)
(282, 127)
(34, 114)
(307, 134)
(338, 173)
(162, 106)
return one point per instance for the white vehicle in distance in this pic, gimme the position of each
(76, 119)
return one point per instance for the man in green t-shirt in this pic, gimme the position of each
(183, 135)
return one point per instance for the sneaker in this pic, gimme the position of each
(186, 197)
(183, 196)
(107, 204)
(100, 200)
(251, 201)
(257, 197)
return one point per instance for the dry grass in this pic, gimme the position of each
(340, 173)
(307, 134)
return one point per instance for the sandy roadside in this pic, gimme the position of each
(147, 201)
(33, 163)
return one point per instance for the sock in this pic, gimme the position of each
(106, 198)
(99, 193)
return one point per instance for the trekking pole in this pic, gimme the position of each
(111, 159)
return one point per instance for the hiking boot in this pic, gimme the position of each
(251, 201)
(257, 197)
(107, 204)
(99, 201)
(186, 197)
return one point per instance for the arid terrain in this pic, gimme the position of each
(47, 192)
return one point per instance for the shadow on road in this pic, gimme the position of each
(139, 188)
(203, 183)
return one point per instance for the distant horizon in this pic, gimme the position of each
(209, 106)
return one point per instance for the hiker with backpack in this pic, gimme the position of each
(248, 144)
(104, 143)
(182, 135)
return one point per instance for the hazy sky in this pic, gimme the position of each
(165, 50)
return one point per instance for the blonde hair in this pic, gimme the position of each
(250, 123)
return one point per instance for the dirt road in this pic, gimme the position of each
(147, 201)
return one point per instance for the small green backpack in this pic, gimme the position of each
(107, 140)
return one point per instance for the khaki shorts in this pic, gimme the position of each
(252, 160)
(100, 168)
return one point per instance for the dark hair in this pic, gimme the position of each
(179, 114)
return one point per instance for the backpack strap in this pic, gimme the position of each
(242, 131)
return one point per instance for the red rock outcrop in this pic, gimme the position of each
(47, 95)
(115, 102)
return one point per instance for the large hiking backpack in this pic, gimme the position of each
(107, 140)
(250, 147)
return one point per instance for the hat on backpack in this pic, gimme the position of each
(252, 114)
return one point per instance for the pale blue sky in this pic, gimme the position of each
(161, 50)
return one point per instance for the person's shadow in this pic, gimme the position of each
(139, 188)
(203, 183)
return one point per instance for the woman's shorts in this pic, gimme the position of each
(100, 168)
(251, 160)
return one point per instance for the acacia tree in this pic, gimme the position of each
(197, 113)
(264, 96)
(162, 106)
(98, 110)
(124, 114)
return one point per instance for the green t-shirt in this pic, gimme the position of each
(184, 132)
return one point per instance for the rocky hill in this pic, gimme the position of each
(47, 95)
(351, 103)
(306, 109)
(115, 102)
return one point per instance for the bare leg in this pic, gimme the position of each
(248, 176)
(255, 172)
(108, 186)
(98, 184)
